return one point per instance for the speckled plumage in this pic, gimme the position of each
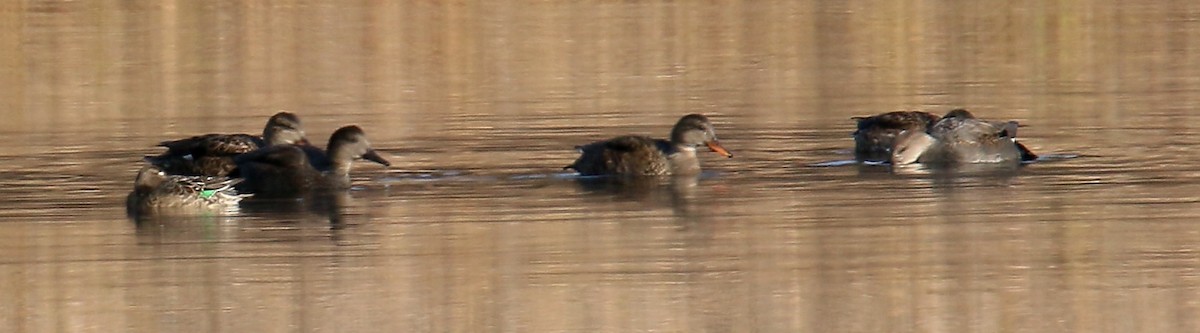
(625, 155)
(875, 136)
(212, 154)
(291, 170)
(633, 155)
(156, 192)
(960, 138)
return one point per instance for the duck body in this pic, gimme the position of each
(212, 154)
(155, 191)
(961, 138)
(277, 171)
(295, 170)
(876, 135)
(635, 155)
(205, 155)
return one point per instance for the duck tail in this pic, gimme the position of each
(1026, 154)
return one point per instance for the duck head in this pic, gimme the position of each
(693, 130)
(284, 128)
(149, 178)
(350, 143)
(910, 145)
(959, 113)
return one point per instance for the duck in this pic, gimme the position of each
(212, 154)
(291, 170)
(155, 191)
(961, 138)
(635, 155)
(875, 136)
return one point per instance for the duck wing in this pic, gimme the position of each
(624, 155)
(231, 144)
(896, 120)
(213, 144)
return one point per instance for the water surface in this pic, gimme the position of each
(475, 227)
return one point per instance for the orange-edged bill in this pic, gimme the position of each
(716, 147)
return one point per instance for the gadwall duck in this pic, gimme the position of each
(293, 170)
(634, 155)
(155, 191)
(961, 138)
(212, 154)
(875, 136)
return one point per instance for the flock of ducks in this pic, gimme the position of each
(216, 171)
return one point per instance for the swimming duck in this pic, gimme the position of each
(293, 170)
(634, 155)
(875, 136)
(155, 191)
(212, 154)
(960, 138)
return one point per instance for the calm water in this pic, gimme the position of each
(475, 228)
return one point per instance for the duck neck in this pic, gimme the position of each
(684, 160)
(340, 162)
(677, 138)
(339, 175)
(339, 158)
(274, 136)
(269, 137)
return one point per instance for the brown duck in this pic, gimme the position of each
(295, 170)
(634, 155)
(212, 154)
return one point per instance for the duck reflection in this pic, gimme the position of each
(330, 204)
(881, 170)
(160, 229)
(677, 192)
(257, 218)
(999, 171)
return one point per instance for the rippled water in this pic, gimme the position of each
(475, 227)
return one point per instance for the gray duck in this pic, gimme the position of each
(961, 138)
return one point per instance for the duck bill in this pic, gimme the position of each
(372, 156)
(716, 148)
(303, 142)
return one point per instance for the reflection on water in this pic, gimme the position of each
(476, 228)
(675, 192)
